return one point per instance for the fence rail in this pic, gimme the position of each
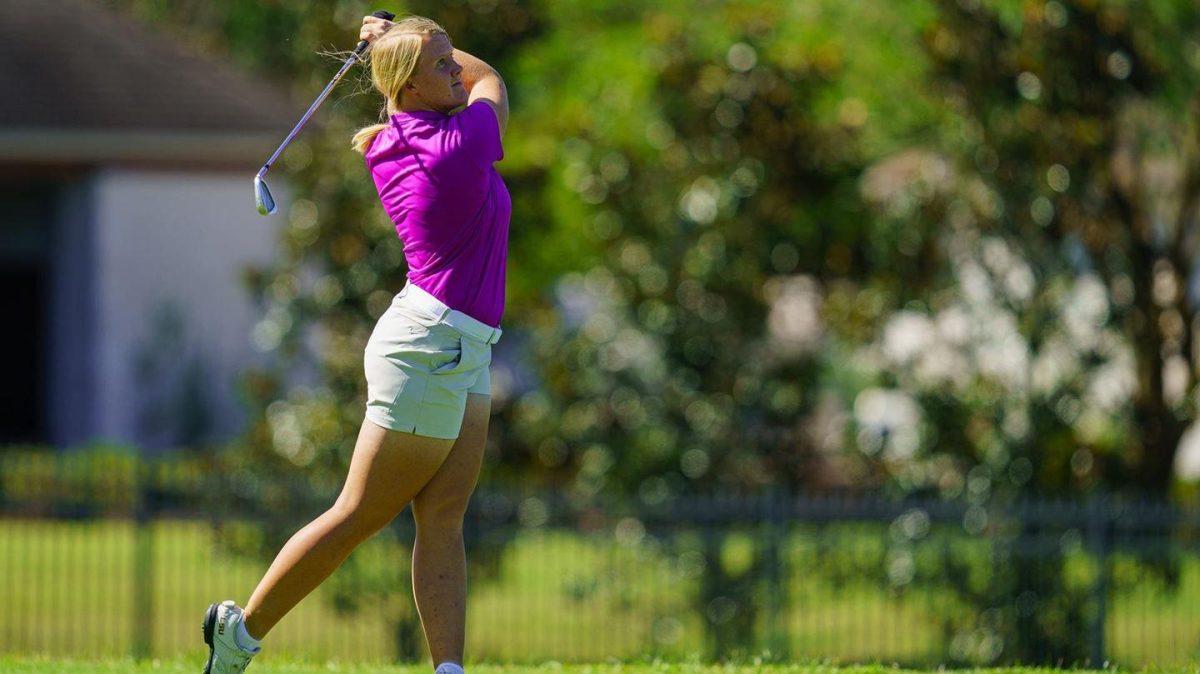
(95, 563)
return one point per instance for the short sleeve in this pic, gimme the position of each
(479, 131)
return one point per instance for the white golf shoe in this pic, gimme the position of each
(225, 655)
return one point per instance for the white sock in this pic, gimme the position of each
(449, 668)
(244, 640)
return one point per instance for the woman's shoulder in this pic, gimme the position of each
(386, 142)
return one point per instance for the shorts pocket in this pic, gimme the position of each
(454, 355)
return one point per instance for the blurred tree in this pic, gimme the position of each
(713, 158)
(1082, 124)
(1059, 360)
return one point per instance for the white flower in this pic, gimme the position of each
(906, 335)
(794, 319)
(889, 417)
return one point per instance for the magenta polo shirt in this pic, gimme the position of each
(436, 179)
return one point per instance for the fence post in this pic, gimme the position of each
(143, 559)
(1098, 521)
(776, 640)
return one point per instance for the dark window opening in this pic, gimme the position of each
(26, 219)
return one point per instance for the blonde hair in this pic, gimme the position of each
(393, 59)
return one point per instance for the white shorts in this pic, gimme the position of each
(422, 360)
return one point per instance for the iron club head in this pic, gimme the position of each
(262, 196)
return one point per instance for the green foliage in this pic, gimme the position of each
(95, 480)
(699, 157)
(1040, 368)
(712, 157)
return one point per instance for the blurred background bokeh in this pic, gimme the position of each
(836, 329)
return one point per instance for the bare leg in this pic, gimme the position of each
(387, 470)
(439, 563)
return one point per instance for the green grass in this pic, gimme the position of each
(557, 596)
(68, 589)
(45, 666)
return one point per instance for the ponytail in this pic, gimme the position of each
(365, 136)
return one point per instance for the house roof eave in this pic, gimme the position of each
(73, 146)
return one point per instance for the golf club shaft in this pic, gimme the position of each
(354, 56)
(308, 115)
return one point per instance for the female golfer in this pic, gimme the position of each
(428, 388)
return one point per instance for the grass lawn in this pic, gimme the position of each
(559, 596)
(69, 592)
(45, 666)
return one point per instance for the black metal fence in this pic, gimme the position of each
(102, 560)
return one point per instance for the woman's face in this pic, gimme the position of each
(435, 82)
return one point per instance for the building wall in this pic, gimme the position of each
(172, 317)
(70, 332)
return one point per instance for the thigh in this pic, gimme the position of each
(388, 469)
(449, 491)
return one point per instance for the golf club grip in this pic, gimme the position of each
(381, 14)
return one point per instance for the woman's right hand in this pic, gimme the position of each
(373, 27)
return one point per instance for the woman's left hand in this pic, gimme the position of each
(373, 27)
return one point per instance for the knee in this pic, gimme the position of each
(432, 511)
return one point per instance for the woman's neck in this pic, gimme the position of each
(409, 104)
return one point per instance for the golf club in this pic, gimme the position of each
(262, 196)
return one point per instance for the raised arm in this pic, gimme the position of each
(480, 80)
(483, 83)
